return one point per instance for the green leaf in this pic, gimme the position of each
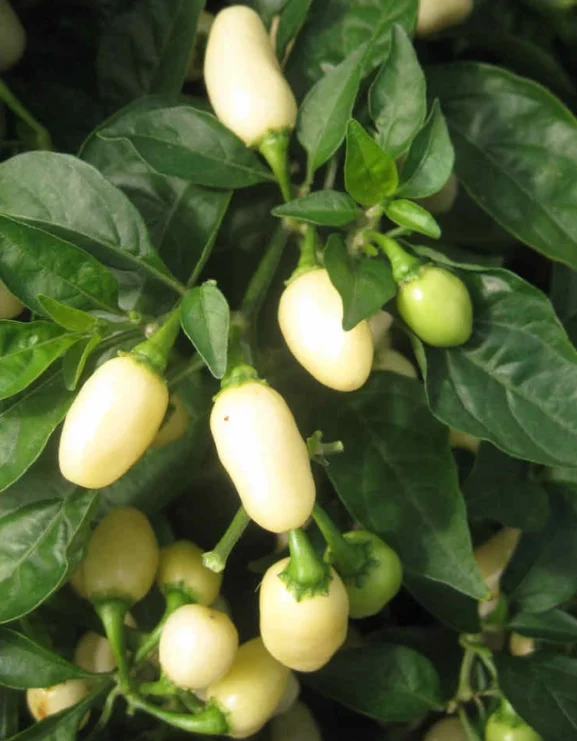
(370, 173)
(323, 207)
(334, 30)
(146, 49)
(554, 626)
(412, 216)
(542, 689)
(64, 725)
(477, 387)
(516, 147)
(74, 320)
(498, 488)
(292, 19)
(182, 219)
(75, 360)
(397, 473)
(38, 546)
(71, 199)
(386, 682)
(34, 262)
(430, 159)
(27, 349)
(27, 664)
(453, 608)
(9, 712)
(326, 110)
(543, 571)
(365, 285)
(159, 476)
(398, 116)
(26, 423)
(205, 318)
(187, 143)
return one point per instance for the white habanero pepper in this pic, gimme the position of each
(261, 448)
(12, 36)
(243, 78)
(436, 15)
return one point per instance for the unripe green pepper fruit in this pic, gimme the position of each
(197, 646)
(436, 305)
(251, 690)
(122, 557)
(243, 77)
(303, 634)
(261, 448)
(310, 316)
(369, 593)
(180, 567)
(500, 729)
(112, 422)
(447, 729)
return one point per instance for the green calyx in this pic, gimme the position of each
(274, 148)
(405, 267)
(353, 561)
(306, 575)
(154, 351)
(209, 721)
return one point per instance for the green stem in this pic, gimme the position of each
(306, 574)
(318, 450)
(464, 691)
(155, 350)
(239, 360)
(349, 560)
(43, 139)
(263, 276)
(190, 701)
(216, 559)
(275, 151)
(405, 267)
(175, 598)
(469, 732)
(399, 231)
(163, 687)
(210, 721)
(308, 246)
(113, 613)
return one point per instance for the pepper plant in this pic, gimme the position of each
(288, 379)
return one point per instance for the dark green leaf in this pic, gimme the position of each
(75, 359)
(543, 571)
(386, 682)
(454, 609)
(27, 349)
(326, 110)
(397, 475)
(516, 148)
(63, 726)
(186, 143)
(370, 173)
(38, 545)
(323, 207)
(25, 664)
(478, 388)
(9, 712)
(34, 262)
(430, 159)
(334, 30)
(146, 49)
(292, 19)
(205, 318)
(365, 285)
(267, 9)
(159, 476)
(498, 489)
(74, 320)
(398, 116)
(542, 689)
(412, 216)
(554, 626)
(182, 219)
(71, 199)
(26, 423)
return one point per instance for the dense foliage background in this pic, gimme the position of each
(143, 191)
